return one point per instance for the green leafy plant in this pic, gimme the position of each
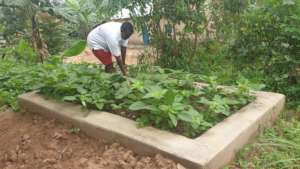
(75, 49)
(176, 29)
(16, 79)
(25, 53)
(83, 15)
(74, 130)
(267, 40)
(166, 99)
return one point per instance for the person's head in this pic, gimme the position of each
(126, 30)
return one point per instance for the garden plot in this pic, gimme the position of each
(213, 149)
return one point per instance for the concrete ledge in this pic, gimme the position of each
(212, 150)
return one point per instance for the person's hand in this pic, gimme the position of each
(125, 70)
(121, 66)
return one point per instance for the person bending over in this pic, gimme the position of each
(111, 39)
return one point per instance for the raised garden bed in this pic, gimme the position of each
(165, 99)
(213, 149)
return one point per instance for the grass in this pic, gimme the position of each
(277, 148)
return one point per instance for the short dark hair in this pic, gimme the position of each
(127, 27)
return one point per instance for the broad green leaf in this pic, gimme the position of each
(155, 92)
(70, 98)
(143, 121)
(122, 92)
(188, 116)
(169, 97)
(99, 106)
(140, 106)
(178, 106)
(165, 108)
(76, 49)
(203, 101)
(138, 85)
(81, 90)
(173, 119)
(185, 116)
(115, 107)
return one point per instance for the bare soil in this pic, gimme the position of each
(30, 141)
(87, 56)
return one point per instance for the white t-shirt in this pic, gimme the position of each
(107, 37)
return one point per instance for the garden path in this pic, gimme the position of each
(87, 56)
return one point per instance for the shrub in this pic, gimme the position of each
(268, 40)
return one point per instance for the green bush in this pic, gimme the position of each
(175, 27)
(268, 41)
(15, 79)
(21, 52)
(54, 33)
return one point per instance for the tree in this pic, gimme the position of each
(29, 10)
(176, 27)
(84, 14)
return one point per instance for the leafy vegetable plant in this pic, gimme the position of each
(163, 98)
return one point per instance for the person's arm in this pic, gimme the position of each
(123, 54)
(121, 65)
(116, 51)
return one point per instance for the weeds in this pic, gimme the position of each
(278, 147)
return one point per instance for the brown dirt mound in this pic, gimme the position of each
(33, 142)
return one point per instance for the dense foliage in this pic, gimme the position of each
(166, 99)
(25, 24)
(176, 29)
(268, 41)
(255, 39)
(17, 79)
(223, 40)
(50, 26)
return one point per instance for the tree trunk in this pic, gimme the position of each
(37, 41)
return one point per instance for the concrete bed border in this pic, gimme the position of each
(213, 149)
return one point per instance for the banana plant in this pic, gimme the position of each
(84, 14)
(30, 10)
